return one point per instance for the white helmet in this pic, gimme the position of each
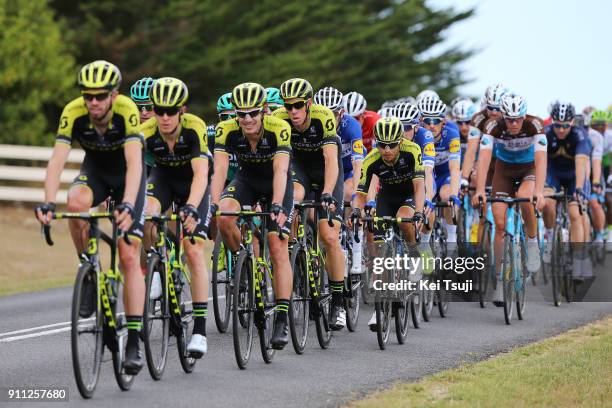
(494, 93)
(463, 110)
(407, 113)
(386, 112)
(425, 94)
(407, 99)
(354, 103)
(329, 97)
(513, 105)
(432, 107)
(388, 104)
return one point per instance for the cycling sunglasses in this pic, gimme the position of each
(98, 97)
(408, 127)
(252, 113)
(226, 116)
(383, 146)
(432, 121)
(145, 108)
(295, 105)
(170, 111)
(493, 108)
(562, 125)
(463, 122)
(513, 120)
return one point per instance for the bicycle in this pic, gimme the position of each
(221, 278)
(311, 297)
(390, 303)
(485, 251)
(352, 282)
(513, 268)
(174, 307)
(252, 303)
(107, 324)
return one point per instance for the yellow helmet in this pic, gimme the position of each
(388, 130)
(169, 92)
(296, 88)
(99, 74)
(248, 95)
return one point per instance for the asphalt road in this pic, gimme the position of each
(35, 351)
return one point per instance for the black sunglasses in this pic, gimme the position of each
(432, 121)
(513, 120)
(145, 108)
(389, 145)
(226, 116)
(407, 127)
(493, 108)
(296, 105)
(98, 97)
(463, 122)
(252, 113)
(562, 125)
(170, 111)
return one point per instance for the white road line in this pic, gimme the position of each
(42, 333)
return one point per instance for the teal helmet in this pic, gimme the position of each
(225, 103)
(274, 96)
(140, 92)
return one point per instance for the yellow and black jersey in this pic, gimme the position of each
(107, 149)
(407, 166)
(256, 162)
(190, 145)
(307, 145)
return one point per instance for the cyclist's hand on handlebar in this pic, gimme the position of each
(370, 208)
(429, 207)
(124, 215)
(540, 200)
(190, 217)
(479, 196)
(418, 217)
(328, 201)
(279, 214)
(44, 212)
(213, 209)
(355, 217)
(455, 200)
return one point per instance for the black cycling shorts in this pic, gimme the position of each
(248, 191)
(312, 181)
(388, 203)
(104, 184)
(168, 189)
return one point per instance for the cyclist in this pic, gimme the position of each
(106, 125)
(318, 169)
(140, 93)
(352, 152)
(274, 100)
(385, 112)
(262, 148)
(225, 111)
(462, 112)
(599, 122)
(355, 105)
(520, 145)
(177, 141)
(397, 163)
(447, 161)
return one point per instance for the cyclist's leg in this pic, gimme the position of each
(158, 199)
(503, 185)
(236, 193)
(279, 253)
(526, 190)
(407, 211)
(445, 193)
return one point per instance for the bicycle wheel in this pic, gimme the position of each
(485, 271)
(124, 381)
(156, 320)
(243, 305)
(86, 338)
(557, 260)
(182, 280)
(462, 238)
(520, 262)
(352, 300)
(221, 286)
(416, 306)
(428, 301)
(299, 305)
(265, 328)
(442, 295)
(322, 308)
(383, 321)
(402, 315)
(508, 277)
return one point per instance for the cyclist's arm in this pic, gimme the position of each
(470, 157)
(596, 172)
(134, 162)
(330, 155)
(419, 193)
(484, 160)
(582, 161)
(454, 164)
(54, 170)
(280, 166)
(199, 181)
(356, 173)
(221, 161)
(373, 189)
(429, 178)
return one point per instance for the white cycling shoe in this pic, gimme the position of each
(156, 287)
(533, 257)
(372, 322)
(198, 346)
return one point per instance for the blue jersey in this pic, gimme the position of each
(424, 138)
(349, 131)
(452, 124)
(448, 148)
(562, 152)
(518, 148)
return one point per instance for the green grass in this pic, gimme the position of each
(569, 370)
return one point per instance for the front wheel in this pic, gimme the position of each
(322, 305)
(416, 306)
(221, 285)
(383, 321)
(402, 315)
(352, 301)
(124, 381)
(156, 320)
(185, 300)
(243, 306)
(508, 278)
(299, 306)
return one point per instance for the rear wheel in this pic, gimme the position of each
(265, 328)
(352, 301)
(520, 262)
(182, 284)
(299, 306)
(402, 316)
(383, 321)
(156, 320)
(86, 338)
(416, 306)
(221, 287)
(485, 272)
(557, 262)
(322, 308)
(243, 304)
(124, 381)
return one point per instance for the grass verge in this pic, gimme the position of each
(569, 370)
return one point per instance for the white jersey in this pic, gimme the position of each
(607, 145)
(597, 142)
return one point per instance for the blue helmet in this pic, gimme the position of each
(463, 110)
(274, 96)
(225, 103)
(140, 92)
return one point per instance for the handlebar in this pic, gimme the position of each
(46, 229)
(252, 214)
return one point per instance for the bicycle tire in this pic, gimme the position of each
(221, 286)
(156, 310)
(352, 303)
(521, 286)
(243, 302)
(416, 306)
(299, 305)
(265, 331)
(442, 295)
(322, 308)
(556, 265)
(508, 278)
(402, 315)
(186, 319)
(86, 379)
(383, 321)
(124, 381)
(485, 272)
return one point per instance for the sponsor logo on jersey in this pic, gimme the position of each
(454, 146)
(358, 146)
(429, 149)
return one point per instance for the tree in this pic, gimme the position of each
(36, 71)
